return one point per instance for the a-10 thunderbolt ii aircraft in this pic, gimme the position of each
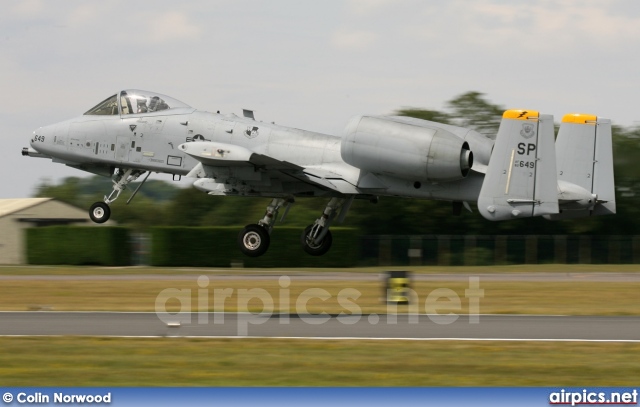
(525, 172)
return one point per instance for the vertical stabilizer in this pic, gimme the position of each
(521, 176)
(603, 180)
(585, 167)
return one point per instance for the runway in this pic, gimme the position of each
(373, 326)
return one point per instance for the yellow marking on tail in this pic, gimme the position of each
(519, 114)
(579, 118)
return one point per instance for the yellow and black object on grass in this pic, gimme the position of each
(397, 287)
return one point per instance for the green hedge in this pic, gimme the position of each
(217, 247)
(79, 245)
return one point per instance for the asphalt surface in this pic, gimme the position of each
(412, 327)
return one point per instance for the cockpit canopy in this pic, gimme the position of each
(134, 101)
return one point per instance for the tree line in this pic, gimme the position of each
(160, 203)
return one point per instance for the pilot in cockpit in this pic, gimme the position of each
(157, 104)
(142, 106)
(153, 103)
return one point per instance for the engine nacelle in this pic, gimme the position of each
(402, 149)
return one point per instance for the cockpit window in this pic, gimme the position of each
(140, 102)
(133, 101)
(107, 107)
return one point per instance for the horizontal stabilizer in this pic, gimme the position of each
(520, 180)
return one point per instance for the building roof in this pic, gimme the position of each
(9, 206)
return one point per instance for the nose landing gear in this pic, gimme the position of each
(100, 211)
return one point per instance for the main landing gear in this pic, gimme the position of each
(100, 211)
(254, 239)
(316, 239)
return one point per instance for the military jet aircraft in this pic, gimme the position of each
(526, 172)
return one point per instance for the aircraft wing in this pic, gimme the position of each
(228, 169)
(229, 155)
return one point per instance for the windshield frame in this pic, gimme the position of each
(146, 103)
(102, 106)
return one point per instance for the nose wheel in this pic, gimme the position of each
(99, 212)
(254, 240)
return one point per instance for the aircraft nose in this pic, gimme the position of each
(37, 138)
(33, 137)
(32, 151)
(42, 139)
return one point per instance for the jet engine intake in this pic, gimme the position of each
(390, 146)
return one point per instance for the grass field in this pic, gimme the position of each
(83, 361)
(76, 361)
(501, 297)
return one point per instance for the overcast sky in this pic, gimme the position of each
(309, 64)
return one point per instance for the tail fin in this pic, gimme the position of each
(521, 176)
(585, 167)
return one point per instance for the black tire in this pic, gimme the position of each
(319, 249)
(253, 240)
(99, 212)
